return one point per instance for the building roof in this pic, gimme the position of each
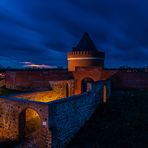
(86, 44)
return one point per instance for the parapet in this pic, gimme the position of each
(86, 54)
(85, 59)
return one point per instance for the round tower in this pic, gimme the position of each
(85, 54)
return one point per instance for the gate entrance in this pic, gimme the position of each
(29, 122)
(86, 85)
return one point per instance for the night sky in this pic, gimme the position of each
(43, 31)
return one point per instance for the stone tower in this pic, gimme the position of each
(85, 54)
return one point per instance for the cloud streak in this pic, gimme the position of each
(38, 66)
(43, 32)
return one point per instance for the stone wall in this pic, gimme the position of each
(60, 119)
(59, 89)
(35, 79)
(130, 80)
(63, 88)
(68, 115)
(11, 121)
(95, 73)
(85, 59)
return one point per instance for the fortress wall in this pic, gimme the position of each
(95, 73)
(85, 53)
(60, 89)
(81, 73)
(67, 116)
(84, 59)
(60, 119)
(10, 121)
(130, 80)
(35, 79)
(63, 88)
(72, 64)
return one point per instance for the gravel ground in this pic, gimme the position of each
(125, 125)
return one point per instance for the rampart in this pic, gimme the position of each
(60, 120)
(35, 79)
(12, 121)
(59, 89)
(85, 59)
(85, 54)
(129, 80)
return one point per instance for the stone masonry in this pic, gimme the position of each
(60, 119)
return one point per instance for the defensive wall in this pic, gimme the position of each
(60, 119)
(129, 80)
(35, 79)
(12, 120)
(94, 73)
(85, 59)
(59, 89)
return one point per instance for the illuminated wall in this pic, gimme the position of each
(12, 121)
(94, 73)
(60, 119)
(59, 89)
(85, 59)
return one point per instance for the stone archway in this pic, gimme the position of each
(86, 84)
(29, 122)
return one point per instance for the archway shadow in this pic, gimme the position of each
(29, 123)
(86, 84)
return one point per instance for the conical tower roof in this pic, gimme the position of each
(86, 44)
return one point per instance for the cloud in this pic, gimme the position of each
(40, 66)
(43, 32)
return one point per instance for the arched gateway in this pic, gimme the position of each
(86, 84)
(29, 122)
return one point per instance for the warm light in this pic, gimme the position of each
(45, 96)
(105, 94)
(33, 121)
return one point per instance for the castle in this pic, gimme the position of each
(63, 100)
(85, 66)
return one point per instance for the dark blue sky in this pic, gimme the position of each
(43, 31)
